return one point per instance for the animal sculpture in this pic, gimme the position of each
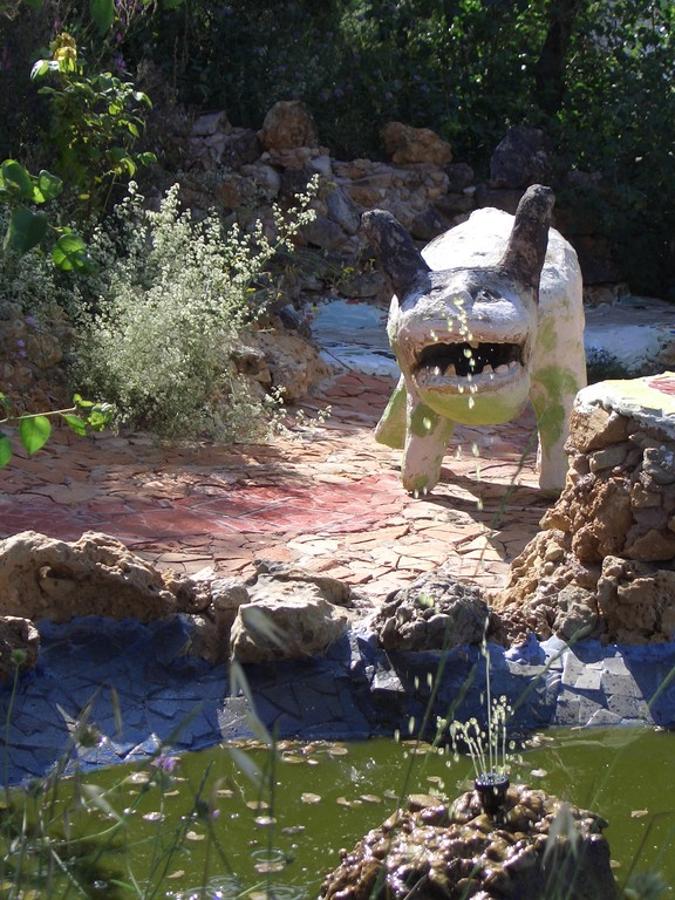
(487, 316)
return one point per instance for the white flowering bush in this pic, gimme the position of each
(171, 297)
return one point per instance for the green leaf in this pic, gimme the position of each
(100, 416)
(5, 450)
(75, 424)
(41, 67)
(25, 230)
(103, 13)
(70, 253)
(16, 180)
(46, 187)
(34, 4)
(82, 403)
(34, 433)
(146, 158)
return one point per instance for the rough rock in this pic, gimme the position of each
(636, 600)
(32, 350)
(41, 577)
(405, 144)
(436, 612)
(210, 123)
(289, 618)
(435, 850)
(324, 233)
(343, 210)
(293, 362)
(288, 124)
(521, 158)
(460, 176)
(19, 645)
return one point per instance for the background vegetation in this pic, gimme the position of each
(597, 76)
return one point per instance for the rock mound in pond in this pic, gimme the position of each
(435, 612)
(45, 578)
(433, 850)
(290, 614)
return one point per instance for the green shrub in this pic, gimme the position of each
(95, 118)
(171, 298)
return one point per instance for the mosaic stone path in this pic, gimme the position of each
(325, 495)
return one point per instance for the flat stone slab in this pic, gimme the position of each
(145, 694)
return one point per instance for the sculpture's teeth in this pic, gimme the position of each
(513, 364)
(451, 370)
(487, 369)
(503, 369)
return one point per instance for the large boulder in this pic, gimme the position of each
(291, 614)
(41, 577)
(544, 848)
(287, 125)
(405, 144)
(436, 612)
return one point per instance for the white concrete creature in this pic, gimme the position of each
(488, 315)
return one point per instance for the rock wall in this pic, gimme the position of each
(243, 172)
(605, 562)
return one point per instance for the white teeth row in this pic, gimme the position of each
(486, 370)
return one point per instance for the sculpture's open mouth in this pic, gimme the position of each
(455, 365)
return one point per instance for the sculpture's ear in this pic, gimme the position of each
(398, 256)
(526, 249)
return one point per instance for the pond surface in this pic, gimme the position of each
(326, 796)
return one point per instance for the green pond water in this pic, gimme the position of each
(325, 796)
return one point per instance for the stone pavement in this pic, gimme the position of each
(324, 495)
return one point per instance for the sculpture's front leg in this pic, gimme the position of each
(553, 391)
(426, 440)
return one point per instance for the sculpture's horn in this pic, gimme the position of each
(398, 256)
(526, 249)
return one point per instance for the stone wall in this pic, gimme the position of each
(243, 172)
(604, 563)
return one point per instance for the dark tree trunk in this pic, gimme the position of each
(550, 68)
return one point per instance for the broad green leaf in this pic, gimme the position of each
(70, 253)
(16, 180)
(46, 187)
(146, 158)
(34, 433)
(75, 424)
(5, 450)
(82, 403)
(103, 13)
(25, 230)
